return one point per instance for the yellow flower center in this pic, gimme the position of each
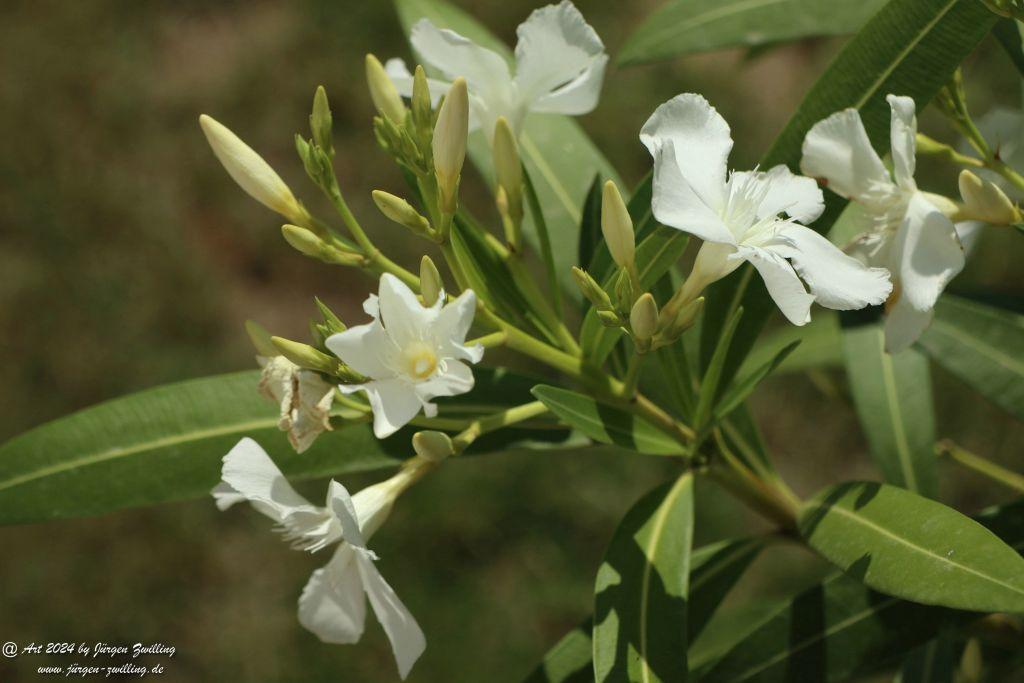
(420, 360)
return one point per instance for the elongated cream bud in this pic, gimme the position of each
(383, 92)
(431, 285)
(449, 143)
(643, 318)
(400, 211)
(432, 446)
(260, 338)
(320, 122)
(305, 356)
(250, 171)
(985, 201)
(422, 109)
(307, 243)
(617, 226)
(508, 169)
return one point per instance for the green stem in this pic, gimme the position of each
(632, 375)
(490, 423)
(489, 341)
(981, 465)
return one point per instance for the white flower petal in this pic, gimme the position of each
(340, 503)
(838, 150)
(407, 640)
(926, 254)
(783, 284)
(797, 196)
(371, 306)
(333, 604)
(676, 204)
(702, 142)
(405, 318)
(250, 471)
(367, 349)
(904, 324)
(1003, 129)
(400, 75)
(903, 134)
(969, 232)
(394, 404)
(560, 61)
(837, 281)
(225, 495)
(452, 325)
(456, 378)
(455, 55)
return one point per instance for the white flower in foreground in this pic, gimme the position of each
(332, 605)
(411, 352)
(304, 399)
(251, 172)
(907, 233)
(738, 216)
(1003, 130)
(560, 64)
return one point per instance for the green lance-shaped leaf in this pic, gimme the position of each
(983, 346)
(834, 631)
(1007, 32)
(711, 382)
(641, 590)
(558, 155)
(714, 570)
(166, 444)
(590, 224)
(742, 388)
(933, 662)
(911, 547)
(682, 27)
(893, 398)
(820, 346)
(606, 423)
(910, 47)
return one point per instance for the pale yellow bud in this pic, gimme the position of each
(432, 446)
(250, 171)
(617, 226)
(673, 321)
(305, 356)
(307, 243)
(400, 211)
(591, 289)
(431, 286)
(984, 201)
(383, 92)
(449, 143)
(971, 664)
(508, 169)
(643, 318)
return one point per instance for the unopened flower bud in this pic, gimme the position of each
(624, 293)
(307, 243)
(401, 212)
(610, 318)
(672, 322)
(591, 289)
(643, 317)
(250, 171)
(432, 446)
(305, 356)
(422, 110)
(449, 143)
(985, 201)
(332, 323)
(617, 226)
(1011, 9)
(382, 91)
(431, 286)
(508, 169)
(320, 123)
(260, 338)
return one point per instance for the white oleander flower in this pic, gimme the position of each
(304, 399)
(738, 215)
(1003, 130)
(333, 603)
(560, 64)
(412, 353)
(905, 231)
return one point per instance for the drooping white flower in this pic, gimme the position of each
(333, 603)
(560, 64)
(738, 215)
(304, 399)
(905, 231)
(412, 353)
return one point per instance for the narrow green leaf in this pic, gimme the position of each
(558, 155)
(1007, 32)
(166, 444)
(820, 346)
(741, 389)
(911, 547)
(933, 662)
(641, 590)
(909, 48)
(682, 27)
(570, 660)
(544, 240)
(983, 346)
(709, 385)
(590, 224)
(893, 398)
(605, 423)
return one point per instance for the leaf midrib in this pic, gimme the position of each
(671, 30)
(997, 356)
(896, 416)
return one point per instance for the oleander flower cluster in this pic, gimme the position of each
(403, 373)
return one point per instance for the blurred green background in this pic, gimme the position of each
(130, 259)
